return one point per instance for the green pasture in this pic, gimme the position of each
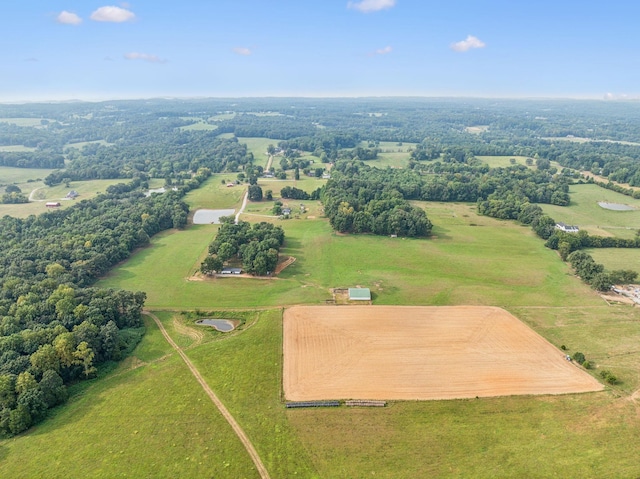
(215, 194)
(306, 183)
(226, 135)
(86, 189)
(503, 161)
(24, 121)
(9, 174)
(577, 139)
(470, 260)
(222, 116)
(81, 144)
(585, 212)
(40, 194)
(258, 146)
(199, 125)
(617, 258)
(148, 418)
(16, 148)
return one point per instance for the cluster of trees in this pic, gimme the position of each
(54, 327)
(13, 195)
(291, 192)
(360, 199)
(35, 159)
(256, 245)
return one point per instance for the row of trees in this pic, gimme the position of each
(255, 245)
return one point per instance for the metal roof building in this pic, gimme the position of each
(359, 294)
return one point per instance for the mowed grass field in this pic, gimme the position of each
(19, 176)
(585, 212)
(258, 146)
(616, 258)
(470, 260)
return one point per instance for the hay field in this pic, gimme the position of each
(419, 353)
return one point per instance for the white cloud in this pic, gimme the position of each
(383, 51)
(468, 44)
(366, 6)
(242, 51)
(144, 57)
(113, 14)
(68, 18)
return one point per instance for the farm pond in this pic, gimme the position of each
(223, 325)
(207, 217)
(615, 206)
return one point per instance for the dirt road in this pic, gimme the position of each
(262, 470)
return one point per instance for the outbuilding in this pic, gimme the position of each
(52, 204)
(359, 294)
(231, 271)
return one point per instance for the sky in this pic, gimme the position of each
(99, 49)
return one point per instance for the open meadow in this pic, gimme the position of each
(258, 146)
(585, 212)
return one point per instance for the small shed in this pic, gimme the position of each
(52, 204)
(359, 294)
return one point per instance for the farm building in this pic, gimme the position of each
(231, 271)
(567, 228)
(52, 204)
(359, 294)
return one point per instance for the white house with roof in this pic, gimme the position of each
(567, 228)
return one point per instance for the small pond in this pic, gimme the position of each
(223, 325)
(208, 217)
(158, 190)
(615, 206)
(155, 190)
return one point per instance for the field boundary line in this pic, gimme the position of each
(262, 470)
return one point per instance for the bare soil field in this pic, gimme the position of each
(420, 353)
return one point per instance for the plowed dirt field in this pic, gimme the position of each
(409, 353)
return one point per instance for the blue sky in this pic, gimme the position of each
(92, 49)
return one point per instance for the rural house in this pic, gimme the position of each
(567, 228)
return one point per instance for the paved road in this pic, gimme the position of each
(262, 470)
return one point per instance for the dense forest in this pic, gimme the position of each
(55, 328)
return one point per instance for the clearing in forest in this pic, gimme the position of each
(419, 353)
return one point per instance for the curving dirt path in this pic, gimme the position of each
(31, 198)
(262, 470)
(244, 205)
